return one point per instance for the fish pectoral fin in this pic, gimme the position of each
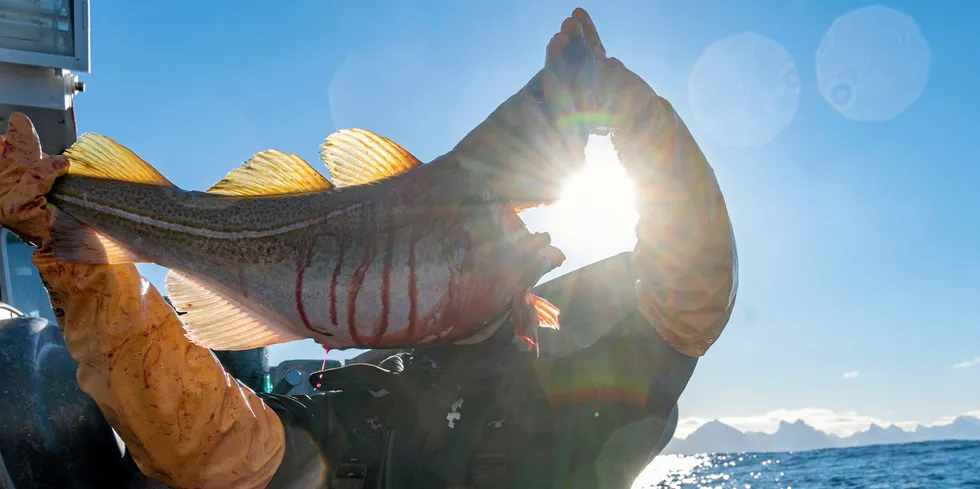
(547, 312)
(529, 313)
(97, 156)
(74, 242)
(215, 321)
(359, 156)
(272, 172)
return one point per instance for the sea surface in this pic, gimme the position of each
(929, 465)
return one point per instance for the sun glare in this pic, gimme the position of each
(595, 217)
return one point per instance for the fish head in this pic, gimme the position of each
(502, 246)
(504, 300)
(529, 146)
(502, 261)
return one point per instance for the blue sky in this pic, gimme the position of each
(857, 238)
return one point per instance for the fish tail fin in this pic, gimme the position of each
(74, 242)
(529, 313)
(97, 156)
(218, 322)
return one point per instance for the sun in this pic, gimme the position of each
(596, 217)
(602, 196)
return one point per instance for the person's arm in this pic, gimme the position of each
(685, 263)
(633, 326)
(685, 258)
(186, 422)
(651, 314)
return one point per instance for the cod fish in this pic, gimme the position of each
(388, 253)
(391, 254)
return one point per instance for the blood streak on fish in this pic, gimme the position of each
(386, 283)
(243, 284)
(303, 265)
(413, 300)
(333, 285)
(357, 281)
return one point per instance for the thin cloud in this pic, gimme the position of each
(946, 420)
(686, 426)
(973, 362)
(851, 374)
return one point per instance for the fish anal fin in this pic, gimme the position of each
(359, 156)
(215, 321)
(97, 156)
(74, 242)
(272, 172)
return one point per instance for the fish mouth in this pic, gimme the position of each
(548, 258)
(540, 257)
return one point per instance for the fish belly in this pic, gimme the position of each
(395, 287)
(409, 286)
(374, 295)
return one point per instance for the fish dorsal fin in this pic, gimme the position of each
(97, 156)
(272, 172)
(359, 156)
(217, 322)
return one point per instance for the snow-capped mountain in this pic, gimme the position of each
(716, 436)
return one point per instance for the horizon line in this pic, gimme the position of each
(777, 417)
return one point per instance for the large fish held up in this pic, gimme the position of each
(391, 254)
(388, 253)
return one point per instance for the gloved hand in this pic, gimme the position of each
(528, 146)
(184, 420)
(685, 254)
(26, 175)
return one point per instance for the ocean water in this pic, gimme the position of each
(929, 465)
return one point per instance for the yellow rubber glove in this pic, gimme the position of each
(685, 254)
(185, 421)
(26, 175)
